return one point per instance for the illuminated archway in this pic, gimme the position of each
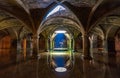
(60, 40)
(60, 56)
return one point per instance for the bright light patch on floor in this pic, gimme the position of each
(60, 31)
(60, 69)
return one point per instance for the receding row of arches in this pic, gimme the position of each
(22, 42)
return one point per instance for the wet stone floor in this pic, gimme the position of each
(101, 66)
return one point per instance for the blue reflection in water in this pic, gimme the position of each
(60, 42)
(60, 61)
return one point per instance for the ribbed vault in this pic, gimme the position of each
(87, 14)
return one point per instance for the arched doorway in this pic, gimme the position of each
(60, 56)
(60, 41)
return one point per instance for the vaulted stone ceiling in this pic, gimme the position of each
(30, 13)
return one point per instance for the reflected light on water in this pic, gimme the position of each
(60, 69)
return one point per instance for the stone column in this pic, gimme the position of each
(105, 46)
(19, 56)
(13, 50)
(35, 45)
(91, 46)
(51, 44)
(86, 47)
(29, 47)
(46, 45)
(24, 48)
(19, 48)
(72, 44)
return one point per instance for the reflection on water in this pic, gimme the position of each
(60, 60)
(100, 67)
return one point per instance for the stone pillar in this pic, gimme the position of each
(35, 45)
(29, 47)
(46, 44)
(91, 46)
(19, 47)
(86, 47)
(51, 44)
(69, 44)
(105, 46)
(13, 50)
(24, 47)
(19, 56)
(72, 44)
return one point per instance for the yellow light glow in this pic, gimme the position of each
(59, 53)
